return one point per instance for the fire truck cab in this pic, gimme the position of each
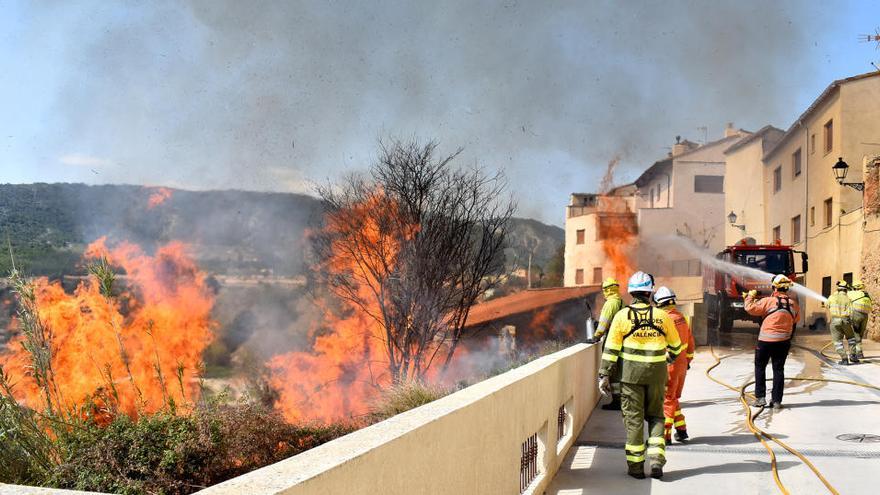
(722, 292)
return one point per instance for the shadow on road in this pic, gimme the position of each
(728, 468)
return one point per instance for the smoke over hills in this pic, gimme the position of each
(270, 95)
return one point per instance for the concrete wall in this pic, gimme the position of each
(467, 442)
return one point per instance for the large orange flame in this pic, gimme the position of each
(141, 349)
(617, 230)
(347, 366)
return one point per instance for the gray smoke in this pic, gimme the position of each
(271, 95)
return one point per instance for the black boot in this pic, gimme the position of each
(681, 435)
(854, 359)
(656, 471)
(637, 471)
(844, 362)
(614, 405)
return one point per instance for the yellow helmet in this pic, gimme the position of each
(842, 285)
(610, 282)
(781, 282)
(858, 285)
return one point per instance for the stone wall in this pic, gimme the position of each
(871, 242)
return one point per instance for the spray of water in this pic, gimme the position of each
(708, 259)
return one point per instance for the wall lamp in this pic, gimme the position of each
(731, 219)
(840, 169)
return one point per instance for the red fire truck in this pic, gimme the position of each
(722, 292)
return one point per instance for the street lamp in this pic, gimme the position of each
(840, 169)
(731, 219)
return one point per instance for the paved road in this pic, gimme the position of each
(723, 457)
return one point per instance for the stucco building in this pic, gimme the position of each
(802, 204)
(682, 194)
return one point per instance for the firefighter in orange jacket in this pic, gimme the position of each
(664, 298)
(780, 315)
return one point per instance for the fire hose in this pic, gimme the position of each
(761, 435)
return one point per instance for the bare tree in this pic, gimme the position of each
(413, 245)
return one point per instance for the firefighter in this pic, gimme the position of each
(613, 304)
(664, 298)
(840, 311)
(780, 315)
(861, 308)
(641, 340)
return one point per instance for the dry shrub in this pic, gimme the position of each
(403, 397)
(173, 454)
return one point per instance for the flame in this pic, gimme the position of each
(158, 196)
(135, 352)
(348, 365)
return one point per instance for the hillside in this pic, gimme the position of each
(232, 232)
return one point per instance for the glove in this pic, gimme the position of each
(604, 385)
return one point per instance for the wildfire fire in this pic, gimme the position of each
(617, 225)
(135, 352)
(158, 196)
(346, 367)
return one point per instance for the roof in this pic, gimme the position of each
(525, 301)
(834, 86)
(735, 137)
(653, 170)
(767, 130)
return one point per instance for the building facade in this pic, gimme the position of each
(802, 203)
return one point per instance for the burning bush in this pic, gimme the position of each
(407, 250)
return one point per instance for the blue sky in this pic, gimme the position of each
(275, 96)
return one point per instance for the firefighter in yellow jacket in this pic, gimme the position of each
(613, 304)
(861, 308)
(641, 341)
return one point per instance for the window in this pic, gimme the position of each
(709, 183)
(768, 261)
(597, 275)
(652, 197)
(847, 277)
(579, 276)
(777, 233)
(777, 179)
(828, 212)
(812, 216)
(796, 229)
(826, 286)
(829, 136)
(796, 164)
(580, 236)
(812, 143)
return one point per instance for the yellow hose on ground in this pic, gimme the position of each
(761, 434)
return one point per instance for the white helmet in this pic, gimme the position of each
(664, 295)
(781, 282)
(641, 282)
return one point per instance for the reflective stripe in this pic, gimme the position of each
(643, 359)
(657, 451)
(656, 441)
(690, 355)
(645, 346)
(634, 448)
(635, 458)
(679, 423)
(645, 352)
(609, 357)
(669, 421)
(678, 413)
